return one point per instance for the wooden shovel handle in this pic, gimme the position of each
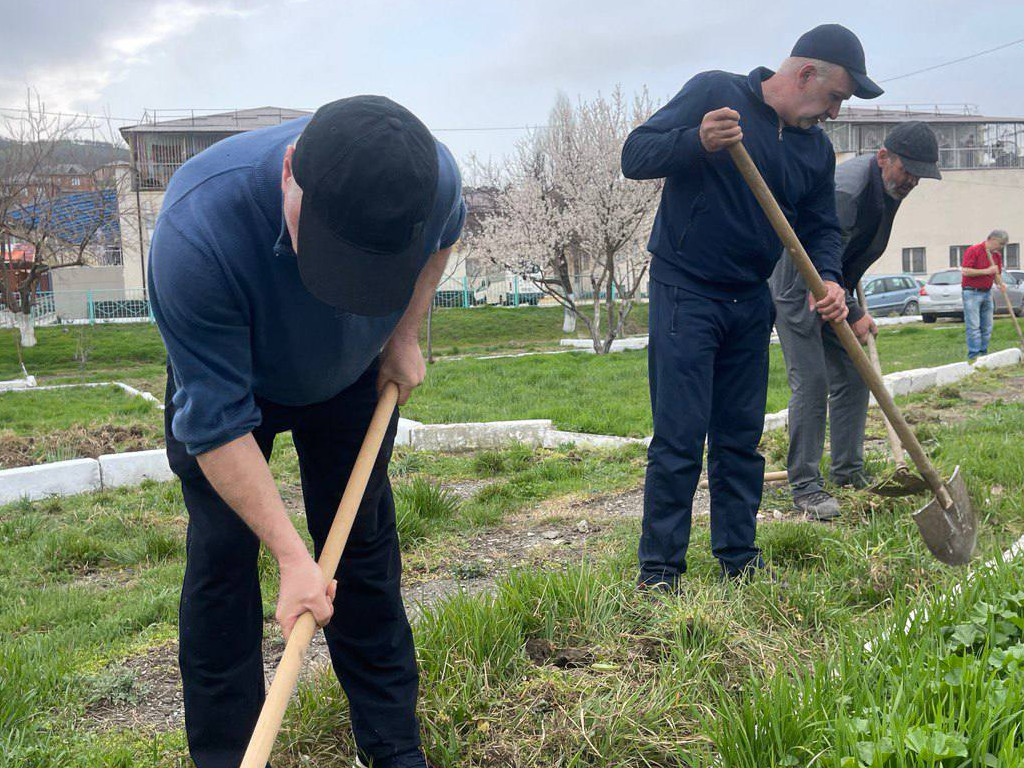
(287, 674)
(842, 328)
(895, 447)
(1006, 298)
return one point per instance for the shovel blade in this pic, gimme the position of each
(902, 482)
(950, 533)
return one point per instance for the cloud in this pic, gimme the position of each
(71, 71)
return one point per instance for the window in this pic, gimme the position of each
(1011, 256)
(76, 181)
(914, 260)
(956, 255)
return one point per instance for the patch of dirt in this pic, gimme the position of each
(79, 442)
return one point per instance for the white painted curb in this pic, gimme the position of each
(60, 478)
(121, 469)
(586, 345)
(12, 385)
(472, 436)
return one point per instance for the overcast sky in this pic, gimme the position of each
(474, 63)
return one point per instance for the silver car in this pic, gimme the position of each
(942, 296)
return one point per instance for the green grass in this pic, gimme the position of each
(757, 676)
(32, 413)
(609, 395)
(54, 425)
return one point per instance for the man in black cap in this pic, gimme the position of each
(289, 272)
(713, 250)
(821, 375)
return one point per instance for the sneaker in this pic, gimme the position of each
(858, 480)
(818, 506)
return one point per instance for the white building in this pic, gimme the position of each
(159, 145)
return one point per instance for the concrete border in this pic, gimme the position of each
(131, 468)
(59, 478)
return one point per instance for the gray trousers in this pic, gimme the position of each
(823, 382)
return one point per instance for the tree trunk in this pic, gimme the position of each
(27, 327)
(569, 319)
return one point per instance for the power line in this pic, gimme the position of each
(953, 61)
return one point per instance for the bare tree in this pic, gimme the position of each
(58, 228)
(567, 220)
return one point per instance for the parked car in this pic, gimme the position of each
(1017, 274)
(942, 296)
(891, 294)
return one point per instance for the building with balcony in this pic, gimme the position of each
(159, 145)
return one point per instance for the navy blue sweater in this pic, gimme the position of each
(224, 283)
(710, 236)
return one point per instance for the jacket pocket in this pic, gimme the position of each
(697, 208)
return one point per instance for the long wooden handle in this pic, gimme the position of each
(287, 674)
(769, 477)
(842, 328)
(1006, 297)
(895, 447)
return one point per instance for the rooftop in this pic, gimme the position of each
(936, 113)
(191, 120)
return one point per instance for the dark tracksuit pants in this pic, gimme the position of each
(708, 370)
(221, 611)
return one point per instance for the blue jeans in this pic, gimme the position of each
(978, 320)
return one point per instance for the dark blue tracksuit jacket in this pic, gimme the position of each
(711, 313)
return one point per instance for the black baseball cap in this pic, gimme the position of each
(836, 44)
(917, 147)
(368, 172)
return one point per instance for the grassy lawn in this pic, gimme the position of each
(579, 392)
(52, 425)
(608, 394)
(762, 675)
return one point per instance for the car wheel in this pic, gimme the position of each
(928, 318)
(910, 308)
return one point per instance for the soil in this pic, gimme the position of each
(77, 443)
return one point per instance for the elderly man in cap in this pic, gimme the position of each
(822, 378)
(289, 272)
(713, 250)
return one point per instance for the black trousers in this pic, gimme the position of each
(221, 611)
(708, 371)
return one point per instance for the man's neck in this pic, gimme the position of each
(772, 90)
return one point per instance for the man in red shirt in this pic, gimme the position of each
(982, 264)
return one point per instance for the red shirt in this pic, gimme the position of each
(976, 258)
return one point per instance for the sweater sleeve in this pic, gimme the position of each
(818, 225)
(847, 207)
(205, 327)
(669, 142)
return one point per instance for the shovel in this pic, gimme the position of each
(901, 482)
(947, 523)
(287, 674)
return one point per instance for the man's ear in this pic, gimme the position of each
(286, 167)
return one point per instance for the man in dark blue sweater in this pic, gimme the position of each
(713, 250)
(289, 272)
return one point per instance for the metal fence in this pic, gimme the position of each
(86, 307)
(98, 306)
